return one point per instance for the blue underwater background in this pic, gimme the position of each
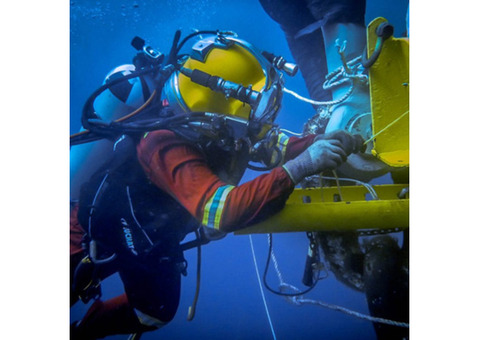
(230, 305)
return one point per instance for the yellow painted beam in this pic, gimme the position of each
(350, 208)
(319, 209)
(389, 97)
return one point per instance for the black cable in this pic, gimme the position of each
(88, 111)
(98, 129)
(104, 130)
(266, 271)
(83, 138)
(270, 167)
(188, 37)
(172, 56)
(193, 307)
(383, 31)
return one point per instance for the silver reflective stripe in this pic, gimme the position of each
(213, 210)
(282, 142)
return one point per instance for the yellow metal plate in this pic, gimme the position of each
(319, 209)
(389, 96)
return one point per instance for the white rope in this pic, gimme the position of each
(314, 102)
(275, 262)
(291, 132)
(283, 285)
(347, 73)
(261, 288)
(352, 313)
(296, 300)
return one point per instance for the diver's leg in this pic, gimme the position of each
(153, 290)
(343, 20)
(309, 54)
(114, 316)
(305, 41)
(75, 259)
(82, 271)
(76, 249)
(151, 301)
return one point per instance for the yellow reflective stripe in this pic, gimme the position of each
(282, 142)
(145, 135)
(213, 210)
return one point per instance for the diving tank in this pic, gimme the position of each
(112, 104)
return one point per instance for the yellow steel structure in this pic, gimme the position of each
(319, 209)
(349, 208)
(389, 98)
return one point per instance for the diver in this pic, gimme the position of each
(316, 30)
(174, 169)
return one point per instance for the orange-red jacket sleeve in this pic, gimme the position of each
(180, 169)
(295, 145)
(76, 231)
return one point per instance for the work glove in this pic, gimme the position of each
(351, 143)
(326, 153)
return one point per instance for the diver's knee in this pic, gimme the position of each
(151, 321)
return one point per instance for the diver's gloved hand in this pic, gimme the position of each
(324, 154)
(351, 143)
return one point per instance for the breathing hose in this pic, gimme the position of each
(270, 167)
(193, 307)
(266, 271)
(383, 31)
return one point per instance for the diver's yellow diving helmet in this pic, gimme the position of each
(225, 90)
(228, 76)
